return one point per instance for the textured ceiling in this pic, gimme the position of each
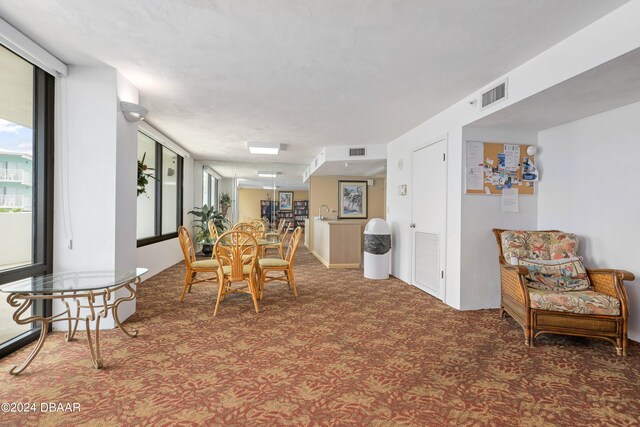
(603, 88)
(304, 73)
(289, 175)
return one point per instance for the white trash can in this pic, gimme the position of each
(377, 247)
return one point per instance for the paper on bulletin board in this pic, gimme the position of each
(475, 178)
(509, 201)
(511, 157)
(475, 165)
(529, 171)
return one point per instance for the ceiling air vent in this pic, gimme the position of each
(497, 93)
(357, 152)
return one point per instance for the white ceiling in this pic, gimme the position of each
(603, 88)
(304, 73)
(289, 175)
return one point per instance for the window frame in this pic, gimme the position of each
(211, 190)
(42, 201)
(158, 236)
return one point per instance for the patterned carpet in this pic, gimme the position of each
(349, 352)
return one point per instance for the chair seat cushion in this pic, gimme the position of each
(246, 269)
(557, 275)
(273, 262)
(205, 263)
(582, 302)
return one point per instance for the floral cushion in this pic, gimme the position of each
(556, 275)
(583, 302)
(544, 245)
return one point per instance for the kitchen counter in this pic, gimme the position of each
(338, 243)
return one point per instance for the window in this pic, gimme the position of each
(147, 200)
(209, 190)
(160, 204)
(26, 185)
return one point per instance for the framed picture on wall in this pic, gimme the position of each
(286, 200)
(352, 199)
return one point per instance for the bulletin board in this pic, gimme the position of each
(492, 166)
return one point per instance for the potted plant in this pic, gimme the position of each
(143, 175)
(200, 224)
(225, 203)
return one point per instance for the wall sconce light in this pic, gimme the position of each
(133, 112)
(532, 150)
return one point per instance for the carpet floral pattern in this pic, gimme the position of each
(348, 352)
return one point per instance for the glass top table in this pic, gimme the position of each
(269, 241)
(73, 282)
(96, 294)
(264, 241)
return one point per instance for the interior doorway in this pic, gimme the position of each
(428, 219)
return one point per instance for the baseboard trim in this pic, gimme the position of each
(329, 265)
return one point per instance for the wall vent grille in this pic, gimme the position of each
(498, 93)
(357, 152)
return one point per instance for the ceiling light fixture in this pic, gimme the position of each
(266, 187)
(133, 112)
(267, 174)
(263, 148)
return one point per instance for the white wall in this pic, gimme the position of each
(589, 188)
(86, 172)
(126, 194)
(92, 208)
(480, 274)
(159, 256)
(613, 35)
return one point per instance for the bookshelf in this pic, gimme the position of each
(288, 217)
(300, 212)
(296, 216)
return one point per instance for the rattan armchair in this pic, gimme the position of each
(282, 267)
(193, 267)
(236, 253)
(515, 301)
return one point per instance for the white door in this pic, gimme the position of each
(429, 213)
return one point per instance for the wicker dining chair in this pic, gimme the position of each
(208, 266)
(213, 232)
(247, 227)
(237, 254)
(279, 230)
(284, 266)
(279, 246)
(260, 228)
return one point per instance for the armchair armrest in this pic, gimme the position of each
(610, 281)
(512, 283)
(621, 274)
